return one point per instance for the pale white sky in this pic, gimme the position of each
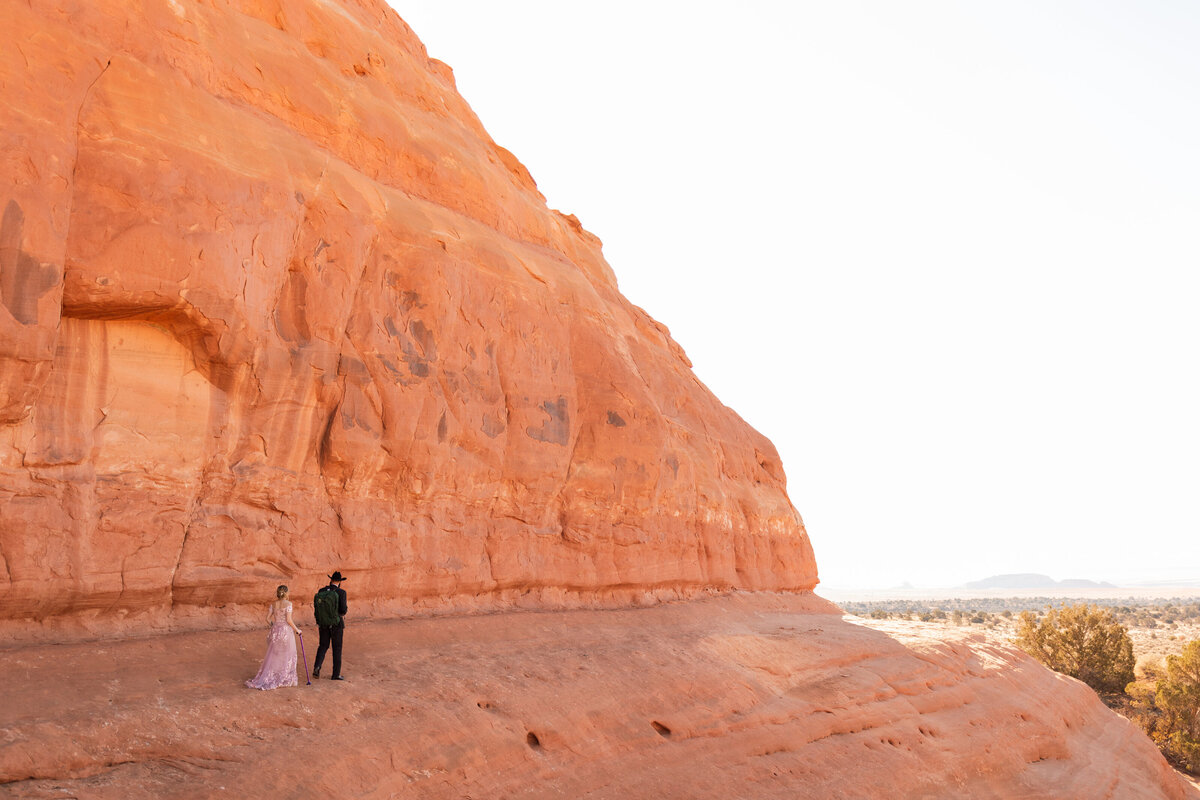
(944, 254)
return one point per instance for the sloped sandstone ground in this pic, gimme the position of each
(271, 297)
(754, 696)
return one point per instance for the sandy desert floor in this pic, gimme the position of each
(1150, 645)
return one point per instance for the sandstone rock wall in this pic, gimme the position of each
(272, 302)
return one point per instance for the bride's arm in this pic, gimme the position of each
(289, 619)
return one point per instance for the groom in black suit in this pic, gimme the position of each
(331, 634)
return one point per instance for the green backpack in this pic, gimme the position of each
(325, 607)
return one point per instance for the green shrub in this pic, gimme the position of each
(1177, 698)
(1082, 641)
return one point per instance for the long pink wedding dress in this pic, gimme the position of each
(279, 664)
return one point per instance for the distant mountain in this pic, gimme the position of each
(1083, 583)
(1030, 580)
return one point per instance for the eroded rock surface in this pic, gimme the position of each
(273, 302)
(743, 696)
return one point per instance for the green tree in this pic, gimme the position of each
(1178, 700)
(1082, 641)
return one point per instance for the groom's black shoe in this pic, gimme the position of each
(316, 672)
(337, 678)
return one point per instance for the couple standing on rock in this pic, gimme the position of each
(279, 664)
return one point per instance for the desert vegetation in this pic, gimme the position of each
(1141, 656)
(1083, 641)
(1166, 704)
(1130, 612)
(1157, 627)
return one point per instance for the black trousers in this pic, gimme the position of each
(330, 636)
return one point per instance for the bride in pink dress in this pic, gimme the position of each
(279, 664)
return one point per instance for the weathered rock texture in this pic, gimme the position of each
(273, 302)
(767, 696)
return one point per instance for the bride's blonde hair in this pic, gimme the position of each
(281, 591)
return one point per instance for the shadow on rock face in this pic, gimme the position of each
(23, 280)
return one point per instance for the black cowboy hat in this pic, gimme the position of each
(336, 577)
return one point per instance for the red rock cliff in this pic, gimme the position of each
(273, 302)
